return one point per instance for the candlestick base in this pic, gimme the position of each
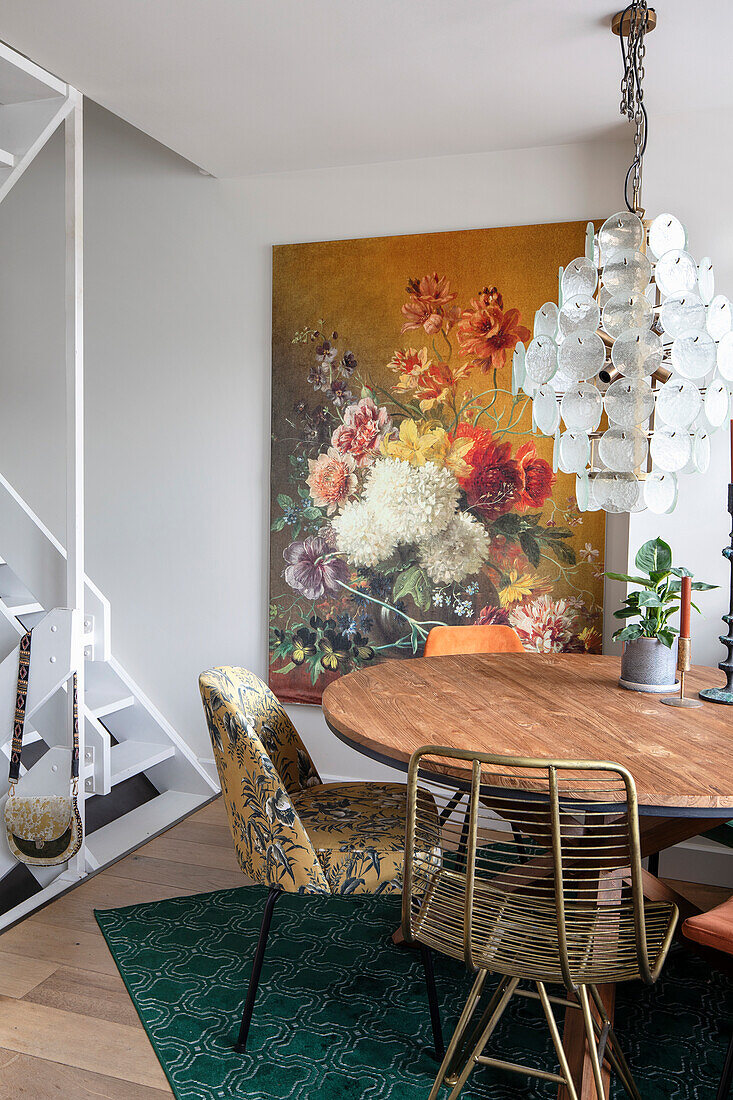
(717, 695)
(675, 701)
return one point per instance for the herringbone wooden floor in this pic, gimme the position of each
(67, 1025)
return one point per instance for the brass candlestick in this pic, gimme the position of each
(684, 646)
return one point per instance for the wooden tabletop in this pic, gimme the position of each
(543, 705)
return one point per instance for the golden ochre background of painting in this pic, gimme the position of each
(357, 288)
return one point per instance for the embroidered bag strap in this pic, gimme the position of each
(75, 748)
(24, 663)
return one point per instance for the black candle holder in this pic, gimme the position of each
(725, 694)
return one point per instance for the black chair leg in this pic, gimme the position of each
(427, 961)
(241, 1044)
(727, 1079)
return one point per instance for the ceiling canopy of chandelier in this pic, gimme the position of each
(631, 370)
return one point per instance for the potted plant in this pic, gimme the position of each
(649, 658)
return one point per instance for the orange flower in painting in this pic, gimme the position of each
(410, 365)
(493, 480)
(486, 333)
(537, 476)
(331, 480)
(428, 304)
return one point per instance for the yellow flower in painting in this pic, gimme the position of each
(415, 444)
(590, 639)
(516, 588)
(451, 453)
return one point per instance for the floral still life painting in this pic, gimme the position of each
(408, 489)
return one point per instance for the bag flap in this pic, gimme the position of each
(32, 817)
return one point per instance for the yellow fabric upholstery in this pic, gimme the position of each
(291, 830)
(358, 832)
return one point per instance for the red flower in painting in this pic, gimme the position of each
(486, 332)
(494, 480)
(538, 478)
(493, 616)
(428, 302)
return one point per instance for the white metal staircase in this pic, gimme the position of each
(137, 775)
(124, 735)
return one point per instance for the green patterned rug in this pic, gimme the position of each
(342, 1013)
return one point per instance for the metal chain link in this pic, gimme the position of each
(632, 94)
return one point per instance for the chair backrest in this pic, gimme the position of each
(261, 761)
(534, 842)
(493, 638)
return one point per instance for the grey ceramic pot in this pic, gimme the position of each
(647, 665)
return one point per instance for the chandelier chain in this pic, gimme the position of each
(632, 95)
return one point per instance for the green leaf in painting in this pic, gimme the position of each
(311, 513)
(654, 556)
(413, 582)
(531, 548)
(278, 524)
(284, 500)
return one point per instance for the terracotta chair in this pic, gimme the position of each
(713, 931)
(293, 832)
(443, 640)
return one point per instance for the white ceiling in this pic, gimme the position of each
(250, 86)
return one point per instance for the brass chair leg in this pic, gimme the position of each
(590, 1035)
(494, 1012)
(458, 1034)
(621, 1066)
(557, 1042)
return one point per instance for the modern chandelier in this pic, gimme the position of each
(631, 370)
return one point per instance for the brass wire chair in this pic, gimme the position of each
(532, 873)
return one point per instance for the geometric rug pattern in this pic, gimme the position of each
(342, 1014)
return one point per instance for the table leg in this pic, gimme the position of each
(577, 1053)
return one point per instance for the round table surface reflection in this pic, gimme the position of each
(543, 705)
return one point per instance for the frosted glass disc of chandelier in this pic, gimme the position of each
(666, 233)
(582, 491)
(545, 320)
(629, 402)
(617, 492)
(545, 410)
(681, 313)
(579, 277)
(725, 357)
(579, 314)
(623, 449)
(720, 319)
(706, 280)
(541, 359)
(574, 453)
(717, 404)
(624, 311)
(660, 493)
(694, 354)
(627, 272)
(519, 370)
(671, 449)
(581, 407)
(637, 353)
(678, 402)
(701, 451)
(676, 272)
(621, 231)
(581, 356)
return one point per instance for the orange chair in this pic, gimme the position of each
(443, 640)
(714, 930)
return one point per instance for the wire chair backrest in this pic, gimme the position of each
(547, 849)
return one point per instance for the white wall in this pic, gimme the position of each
(178, 369)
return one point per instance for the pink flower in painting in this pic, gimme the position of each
(544, 625)
(312, 568)
(428, 304)
(365, 426)
(332, 479)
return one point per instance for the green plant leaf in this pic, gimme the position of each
(628, 633)
(626, 613)
(649, 599)
(680, 571)
(627, 578)
(654, 556)
(697, 586)
(666, 637)
(413, 582)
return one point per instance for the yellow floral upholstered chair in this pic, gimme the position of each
(291, 831)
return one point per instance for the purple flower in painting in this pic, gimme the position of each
(312, 570)
(348, 364)
(338, 392)
(320, 376)
(325, 354)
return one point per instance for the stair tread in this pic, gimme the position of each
(101, 701)
(129, 758)
(144, 822)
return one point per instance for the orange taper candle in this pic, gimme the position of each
(686, 607)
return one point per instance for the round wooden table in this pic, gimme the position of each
(552, 705)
